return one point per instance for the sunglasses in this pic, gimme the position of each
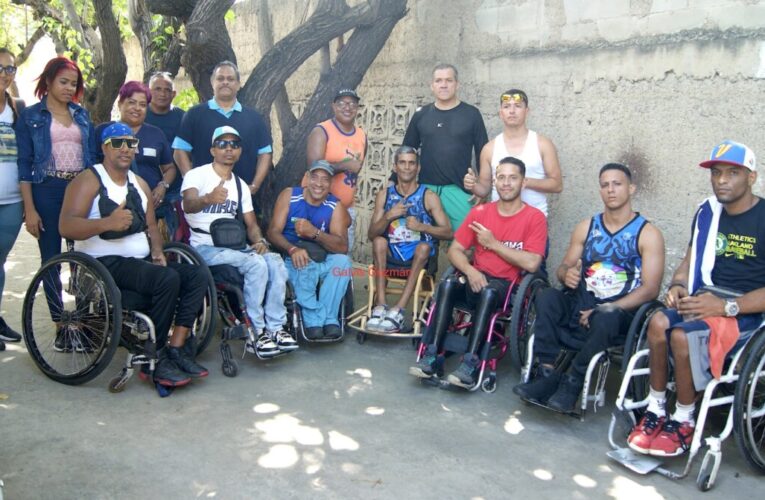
(117, 143)
(224, 143)
(512, 97)
(8, 70)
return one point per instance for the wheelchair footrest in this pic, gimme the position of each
(236, 332)
(642, 464)
(455, 343)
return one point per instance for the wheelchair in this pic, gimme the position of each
(396, 277)
(95, 318)
(599, 365)
(740, 391)
(297, 327)
(496, 339)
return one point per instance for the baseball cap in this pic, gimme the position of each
(322, 165)
(225, 130)
(116, 129)
(346, 93)
(731, 153)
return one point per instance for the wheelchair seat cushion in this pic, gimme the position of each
(226, 274)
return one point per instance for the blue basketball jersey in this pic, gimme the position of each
(320, 216)
(402, 241)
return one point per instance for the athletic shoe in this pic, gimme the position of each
(378, 313)
(645, 432)
(673, 440)
(63, 342)
(7, 333)
(567, 394)
(265, 347)
(392, 322)
(166, 372)
(332, 332)
(284, 340)
(541, 388)
(186, 363)
(465, 375)
(426, 366)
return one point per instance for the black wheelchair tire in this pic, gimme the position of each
(517, 331)
(751, 385)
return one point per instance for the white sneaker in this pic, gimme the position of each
(284, 341)
(265, 347)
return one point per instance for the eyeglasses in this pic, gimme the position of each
(118, 142)
(347, 104)
(224, 143)
(8, 70)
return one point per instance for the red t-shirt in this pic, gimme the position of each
(526, 230)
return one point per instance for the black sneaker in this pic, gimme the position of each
(541, 388)
(63, 342)
(426, 366)
(7, 333)
(314, 333)
(566, 396)
(167, 373)
(186, 363)
(332, 332)
(465, 375)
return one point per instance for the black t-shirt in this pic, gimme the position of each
(447, 140)
(740, 249)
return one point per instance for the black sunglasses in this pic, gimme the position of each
(118, 142)
(224, 143)
(8, 70)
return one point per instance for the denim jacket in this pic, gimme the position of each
(34, 142)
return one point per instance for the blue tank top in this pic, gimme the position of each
(320, 216)
(401, 240)
(611, 263)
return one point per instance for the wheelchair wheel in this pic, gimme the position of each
(749, 406)
(523, 317)
(73, 336)
(637, 339)
(204, 326)
(346, 308)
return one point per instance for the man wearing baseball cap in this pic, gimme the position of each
(344, 145)
(212, 192)
(106, 211)
(714, 302)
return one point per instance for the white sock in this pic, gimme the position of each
(684, 413)
(657, 402)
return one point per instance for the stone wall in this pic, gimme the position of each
(655, 83)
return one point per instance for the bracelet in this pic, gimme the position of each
(292, 250)
(265, 242)
(315, 236)
(677, 283)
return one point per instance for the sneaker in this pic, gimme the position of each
(63, 342)
(465, 375)
(265, 347)
(284, 340)
(332, 332)
(378, 313)
(645, 432)
(673, 440)
(7, 333)
(564, 399)
(541, 388)
(166, 372)
(314, 332)
(426, 366)
(392, 322)
(186, 363)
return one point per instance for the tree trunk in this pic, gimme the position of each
(175, 8)
(114, 69)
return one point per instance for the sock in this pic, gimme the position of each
(684, 413)
(657, 402)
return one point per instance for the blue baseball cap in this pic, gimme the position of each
(116, 129)
(322, 165)
(223, 131)
(731, 153)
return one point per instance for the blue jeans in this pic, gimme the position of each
(254, 268)
(48, 196)
(335, 273)
(10, 222)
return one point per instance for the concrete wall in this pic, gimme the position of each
(655, 83)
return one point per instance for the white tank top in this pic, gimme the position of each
(134, 245)
(534, 168)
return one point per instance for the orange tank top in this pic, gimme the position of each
(341, 146)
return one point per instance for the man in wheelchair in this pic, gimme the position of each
(106, 212)
(508, 237)
(614, 263)
(715, 301)
(216, 202)
(311, 227)
(406, 219)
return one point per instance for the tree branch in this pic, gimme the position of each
(174, 8)
(30, 45)
(112, 74)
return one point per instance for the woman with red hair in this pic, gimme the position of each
(56, 140)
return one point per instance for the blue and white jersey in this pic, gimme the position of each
(402, 241)
(611, 263)
(320, 216)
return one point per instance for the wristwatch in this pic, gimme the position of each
(164, 184)
(731, 308)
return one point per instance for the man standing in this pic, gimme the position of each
(726, 254)
(448, 133)
(344, 146)
(535, 150)
(613, 265)
(191, 144)
(106, 212)
(213, 192)
(507, 238)
(406, 220)
(311, 227)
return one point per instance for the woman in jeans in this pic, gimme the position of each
(56, 141)
(10, 197)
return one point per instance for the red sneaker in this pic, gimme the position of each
(645, 432)
(673, 440)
